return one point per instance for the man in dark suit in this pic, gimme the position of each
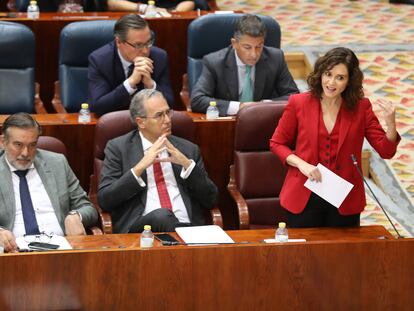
(129, 64)
(150, 177)
(53, 200)
(245, 72)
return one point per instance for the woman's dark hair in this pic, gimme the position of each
(353, 91)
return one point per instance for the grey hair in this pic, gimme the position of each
(137, 107)
(127, 22)
(21, 120)
(250, 25)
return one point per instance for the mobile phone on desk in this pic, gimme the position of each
(40, 246)
(165, 237)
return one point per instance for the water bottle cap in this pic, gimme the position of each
(147, 227)
(151, 2)
(213, 103)
(85, 106)
(282, 225)
(33, 2)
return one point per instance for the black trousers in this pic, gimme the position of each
(160, 220)
(320, 213)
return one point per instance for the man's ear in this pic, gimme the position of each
(1, 141)
(140, 122)
(233, 42)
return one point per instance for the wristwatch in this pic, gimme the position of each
(75, 212)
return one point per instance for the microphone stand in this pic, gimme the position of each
(355, 162)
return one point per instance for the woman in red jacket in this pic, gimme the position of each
(327, 125)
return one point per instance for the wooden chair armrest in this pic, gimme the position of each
(213, 5)
(242, 209)
(94, 231)
(56, 101)
(185, 94)
(216, 218)
(104, 217)
(38, 103)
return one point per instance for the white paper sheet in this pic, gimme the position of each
(203, 235)
(332, 188)
(56, 239)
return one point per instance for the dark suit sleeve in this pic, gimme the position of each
(284, 83)
(118, 185)
(162, 75)
(199, 186)
(205, 90)
(102, 95)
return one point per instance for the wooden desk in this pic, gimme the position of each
(354, 272)
(78, 138)
(171, 36)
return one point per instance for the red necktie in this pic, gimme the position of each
(161, 187)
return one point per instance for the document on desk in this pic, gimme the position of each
(22, 242)
(333, 188)
(204, 235)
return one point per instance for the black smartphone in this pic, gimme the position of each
(40, 246)
(165, 237)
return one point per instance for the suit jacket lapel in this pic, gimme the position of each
(260, 77)
(50, 183)
(311, 113)
(137, 153)
(118, 69)
(177, 172)
(346, 121)
(6, 188)
(231, 75)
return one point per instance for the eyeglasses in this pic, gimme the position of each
(160, 116)
(42, 237)
(141, 46)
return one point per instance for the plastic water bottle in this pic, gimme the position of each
(147, 237)
(84, 114)
(212, 111)
(33, 10)
(281, 233)
(151, 10)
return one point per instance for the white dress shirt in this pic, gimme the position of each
(125, 67)
(241, 74)
(153, 200)
(44, 211)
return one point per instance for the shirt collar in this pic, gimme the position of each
(239, 61)
(146, 144)
(124, 62)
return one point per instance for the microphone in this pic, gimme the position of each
(355, 162)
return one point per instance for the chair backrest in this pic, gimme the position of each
(51, 144)
(17, 68)
(212, 32)
(259, 174)
(77, 41)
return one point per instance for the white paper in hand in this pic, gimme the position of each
(333, 188)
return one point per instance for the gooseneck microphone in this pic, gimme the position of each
(355, 162)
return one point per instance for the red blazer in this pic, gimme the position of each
(299, 124)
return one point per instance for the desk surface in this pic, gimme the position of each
(356, 272)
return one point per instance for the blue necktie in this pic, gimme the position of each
(29, 217)
(247, 92)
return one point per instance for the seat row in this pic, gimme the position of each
(78, 40)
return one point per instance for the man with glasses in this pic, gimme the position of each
(245, 72)
(151, 177)
(38, 190)
(128, 64)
